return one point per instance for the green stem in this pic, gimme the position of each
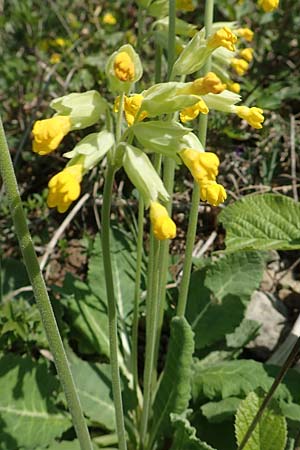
(150, 348)
(192, 227)
(111, 306)
(41, 294)
(171, 37)
(135, 322)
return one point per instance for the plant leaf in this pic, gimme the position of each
(174, 389)
(264, 222)
(232, 379)
(243, 334)
(93, 383)
(271, 431)
(28, 415)
(185, 434)
(218, 295)
(217, 412)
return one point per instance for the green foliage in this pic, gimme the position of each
(185, 435)
(263, 222)
(28, 415)
(218, 295)
(271, 431)
(174, 389)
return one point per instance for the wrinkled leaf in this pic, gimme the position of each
(185, 434)
(262, 222)
(219, 411)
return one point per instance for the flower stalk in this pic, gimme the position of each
(41, 294)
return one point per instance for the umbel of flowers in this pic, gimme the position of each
(147, 130)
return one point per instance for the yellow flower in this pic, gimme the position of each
(124, 67)
(245, 33)
(185, 5)
(211, 83)
(55, 58)
(240, 66)
(132, 106)
(64, 188)
(224, 37)
(49, 133)
(109, 19)
(234, 87)
(202, 165)
(193, 111)
(60, 42)
(212, 192)
(163, 225)
(268, 5)
(247, 54)
(254, 116)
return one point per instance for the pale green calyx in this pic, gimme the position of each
(223, 101)
(123, 68)
(150, 136)
(83, 109)
(164, 98)
(190, 140)
(143, 175)
(193, 56)
(91, 149)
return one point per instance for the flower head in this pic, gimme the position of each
(254, 116)
(212, 192)
(224, 37)
(124, 67)
(245, 33)
(247, 54)
(55, 58)
(64, 187)
(132, 105)
(209, 83)
(234, 87)
(109, 19)
(268, 5)
(163, 225)
(191, 112)
(240, 66)
(48, 133)
(202, 165)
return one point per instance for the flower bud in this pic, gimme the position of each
(209, 83)
(245, 33)
(212, 192)
(83, 109)
(247, 54)
(224, 37)
(268, 5)
(64, 187)
(48, 133)
(193, 111)
(123, 68)
(163, 225)
(202, 165)
(143, 175)
(240, 66)
(254, 116)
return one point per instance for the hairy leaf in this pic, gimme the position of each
(28, 416)
(185, 434)
(219, 411)
(174, 390)
(271, 431)
(262, 222)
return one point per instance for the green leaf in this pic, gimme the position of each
(65, 445)
(185, 434)
(218, 294)
(232, 379)
(174, 389)
(262, 222)
(28, 416)
(243, 334)
(271, 431)
(93, 383)
(217, 412)
(87, 315)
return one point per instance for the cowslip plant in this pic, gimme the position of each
(149, 128)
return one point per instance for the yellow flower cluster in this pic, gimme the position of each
(109, 19)
(48, 133)
(124, 67)
(224, 37)
(64, 187)
(268, 5)
(204, 168)
(254, 116)
(163, 225)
